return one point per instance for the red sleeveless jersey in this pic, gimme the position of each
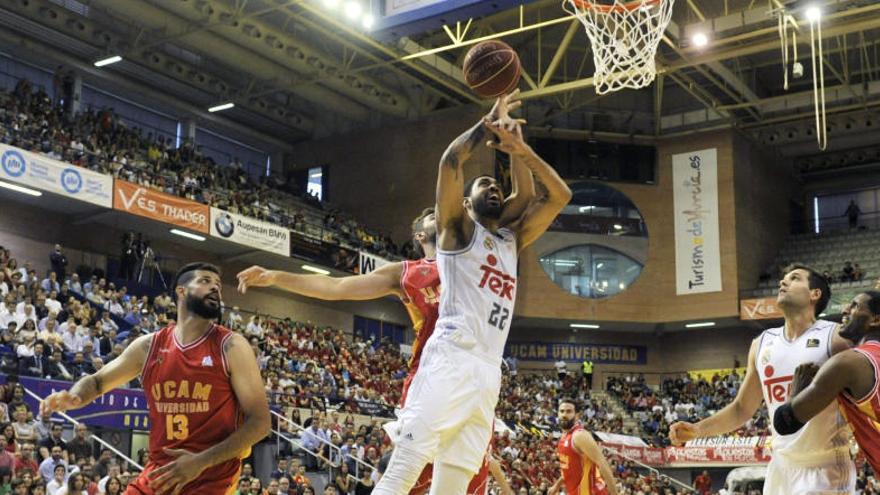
(863, 415)
(580, 474)
(192, 406)
(420, 282)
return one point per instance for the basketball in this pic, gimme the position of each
(491, 69)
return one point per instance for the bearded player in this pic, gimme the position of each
(450, 407)
(851, 377)
(584, 468)
(204, 393)
(815, 459)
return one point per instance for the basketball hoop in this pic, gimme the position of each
(624, 36)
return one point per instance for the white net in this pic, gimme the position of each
(624, 38)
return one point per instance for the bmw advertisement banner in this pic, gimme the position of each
(250, 232)
(41, 172)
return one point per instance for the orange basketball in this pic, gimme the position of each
(491, 68)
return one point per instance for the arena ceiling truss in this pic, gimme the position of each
(297, 70)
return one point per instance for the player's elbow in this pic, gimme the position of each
(784, 420)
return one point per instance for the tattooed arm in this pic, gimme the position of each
(117, 372)
(450, 185)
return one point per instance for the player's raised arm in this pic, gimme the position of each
(450, 210)
(542, 211)
(522, 182)
(249, 390)
(380, 283)
(117, 372)
(810, 396)
(589, 449)
(732, 416)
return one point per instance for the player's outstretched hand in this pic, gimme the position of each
(504, 105)
(60, 402)
(255, 276)
(508, 134)
(172, 477)
(682, 431)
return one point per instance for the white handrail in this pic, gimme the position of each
(92, 437)
(326, 442)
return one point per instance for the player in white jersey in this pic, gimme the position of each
(816, 459)
(448, 414)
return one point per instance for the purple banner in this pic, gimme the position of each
(120, 408)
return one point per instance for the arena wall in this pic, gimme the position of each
(651, 298)
(667, 353)
(386, 176)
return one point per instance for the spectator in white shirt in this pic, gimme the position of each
(254, 328)
(234, 319)
(72, 341)
(113, 306)
(112, 472)
(59, 480)
(107, 323)
(52, 303)
(74, 285)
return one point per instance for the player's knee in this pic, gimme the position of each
(403, 470)
(450, 479)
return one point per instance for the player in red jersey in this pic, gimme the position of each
(204, 393)
(585, 471)
(416, 283)
(851, 376)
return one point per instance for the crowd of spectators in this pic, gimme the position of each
(680, 399)
(100, 141)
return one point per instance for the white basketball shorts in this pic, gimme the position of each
(786, 478)
(450, 407)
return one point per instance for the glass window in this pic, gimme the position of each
(591, 271)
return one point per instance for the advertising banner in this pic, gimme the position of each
(370, 262)
(577, 353)
(250, 232)
(119, 408)
(765, 308)
(138, 200)
(695, 199)
(40, 172)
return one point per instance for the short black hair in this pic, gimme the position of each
(569, 400)
(188, 271)
(418, 222)
(470, 184)
(816, 281)
(873, 301)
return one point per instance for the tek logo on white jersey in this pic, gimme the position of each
(498, 282)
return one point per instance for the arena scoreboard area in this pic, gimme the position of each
(398, 18)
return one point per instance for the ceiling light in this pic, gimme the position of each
(617, 226)
(331, 4)
(700, 40)
(353, 9)
(310, 268)
(700, 325)
(188, 235)
(813, 13)
(368, 21)
(584, 325)
(108, 61)
(219, 108)
(21, 189)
